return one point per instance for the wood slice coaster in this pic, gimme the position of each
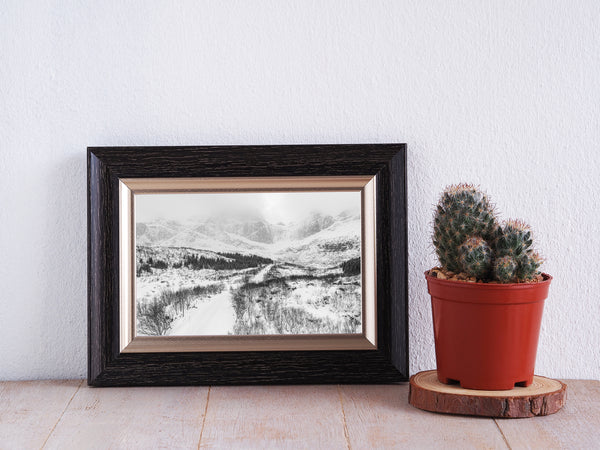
(544, 396)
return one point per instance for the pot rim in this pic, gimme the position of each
(491, 286)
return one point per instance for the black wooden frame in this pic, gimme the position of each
(108, 367)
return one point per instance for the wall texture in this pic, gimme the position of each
(504, 94)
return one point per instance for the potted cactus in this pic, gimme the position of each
(487, 295)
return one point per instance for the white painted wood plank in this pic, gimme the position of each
(30, 409)
(144, 418)
(272, 417)
(576, 425)
(278, 417)
(380, 417)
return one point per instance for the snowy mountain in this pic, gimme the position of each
(319, 238)
(330, 246)
(313, 224)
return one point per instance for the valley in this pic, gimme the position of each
(249, 278)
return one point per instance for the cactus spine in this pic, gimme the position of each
(467, 238)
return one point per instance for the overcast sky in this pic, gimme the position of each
(275, 207)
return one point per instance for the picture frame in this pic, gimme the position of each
(119, 178)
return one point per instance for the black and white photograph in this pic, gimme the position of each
(248, 263)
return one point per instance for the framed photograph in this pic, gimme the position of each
(247, 264)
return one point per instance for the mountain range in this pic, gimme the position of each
(317, 240)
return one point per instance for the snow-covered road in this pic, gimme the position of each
(211, 318)
(260, 276)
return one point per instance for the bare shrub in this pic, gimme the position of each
(182, 299)
(153, 318)
(263, 308)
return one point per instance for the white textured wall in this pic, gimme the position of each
(501, 93)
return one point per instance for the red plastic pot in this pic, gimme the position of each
(486, 335)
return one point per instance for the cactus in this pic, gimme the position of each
(475, 257)
(513, 239)
(462, 212)
(528, 266)
(505, 269)
(468, 239)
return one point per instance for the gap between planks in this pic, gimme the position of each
(62, 413)
(502, 433)
(346, 433)
(204, 418)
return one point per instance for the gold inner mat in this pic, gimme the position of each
(130, 343)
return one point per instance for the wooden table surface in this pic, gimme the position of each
(69, 414)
